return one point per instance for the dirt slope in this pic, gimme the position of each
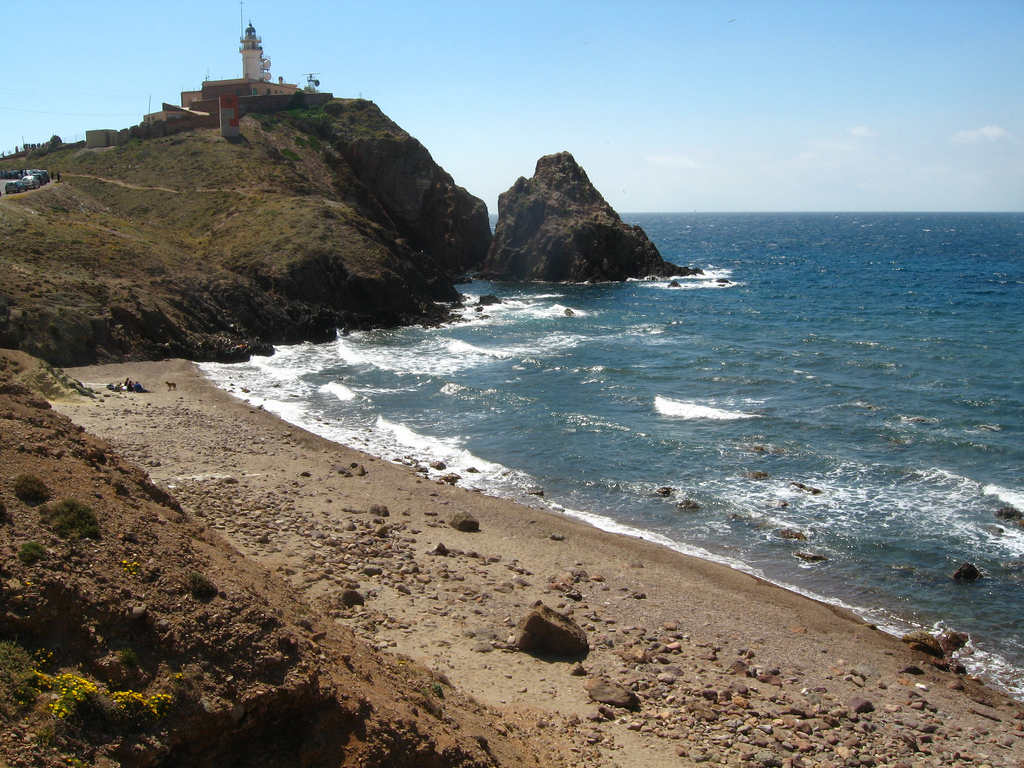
(154, 642)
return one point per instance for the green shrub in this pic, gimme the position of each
(290, 155)
(17, 678)
(201, 587)
(71, 519)
(128, 658)
(31, 552)
(30, 489)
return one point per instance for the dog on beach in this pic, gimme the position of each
(171, 385)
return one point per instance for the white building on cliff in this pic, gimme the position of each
(255, 81)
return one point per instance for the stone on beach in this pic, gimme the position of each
(465, 522)
(924, 642)
(545, 631)
(860, 706)
(605, 691)
(350, 598)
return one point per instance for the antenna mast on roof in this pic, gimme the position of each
(311, 82)
(241, 18)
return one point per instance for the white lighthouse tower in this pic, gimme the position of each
(254, 65)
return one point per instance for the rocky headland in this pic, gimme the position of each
(199, 247)
(557, 227)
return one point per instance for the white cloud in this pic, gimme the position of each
(672, 161)
(862, 131)
(988, 133)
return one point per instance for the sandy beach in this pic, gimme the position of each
(725, 668)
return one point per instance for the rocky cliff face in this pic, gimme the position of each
(197, 247)
(557, 227)
(426, 206)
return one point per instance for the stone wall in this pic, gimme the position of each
(247, 104)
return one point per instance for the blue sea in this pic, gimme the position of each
(875, 358)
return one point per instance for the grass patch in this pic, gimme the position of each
(17, 678)
(71, 519)
(201, 587)
(290, 155)
(30, 489)
(31, 552)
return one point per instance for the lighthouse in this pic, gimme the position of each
(254, 65)
(255, 81)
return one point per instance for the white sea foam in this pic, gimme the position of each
(400, 443)
(712, 278)
(690, 410)
(516, 308)
(459, 347)
(452, 388)
(339, 390)
(1007, 496)
(561, 310)
(432, 356)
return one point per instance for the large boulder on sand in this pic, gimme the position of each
(606, 691)
(547, 632)
(557, 227)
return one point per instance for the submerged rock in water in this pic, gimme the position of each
(791, 534)
(810, 557)
(1008, 513)
(967, 572)
(557, 227)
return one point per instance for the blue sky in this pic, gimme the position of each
(833, 105)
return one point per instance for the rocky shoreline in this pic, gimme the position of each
(689, 662)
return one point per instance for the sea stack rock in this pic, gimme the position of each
(557, 227)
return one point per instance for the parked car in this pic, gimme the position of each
(30, 182)
(13, 187)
